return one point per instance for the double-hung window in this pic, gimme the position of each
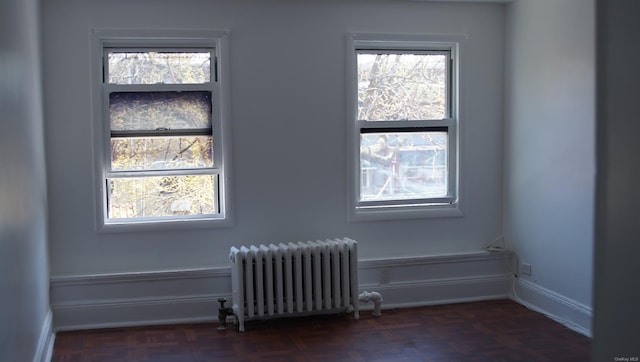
(403, 119)
(163, 155)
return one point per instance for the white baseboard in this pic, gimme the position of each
(44, 350)
(133, 299)
(443, 291)
(439, 279)
(189, 296)
(568, 312)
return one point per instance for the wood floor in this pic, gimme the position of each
(482, 331)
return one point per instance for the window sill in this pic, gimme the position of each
(406, 212)
(164, 225)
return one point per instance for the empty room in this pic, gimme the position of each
(418, 164)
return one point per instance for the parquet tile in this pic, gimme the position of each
(483, 331)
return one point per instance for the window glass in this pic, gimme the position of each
(154, 153)
(140, 197)
(403, 165)
(159, 110)
(401, 86)
(159, 67)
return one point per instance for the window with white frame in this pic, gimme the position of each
(162, 155)
(404, 123)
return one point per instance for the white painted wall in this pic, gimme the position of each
(288, 124)
(25, 319)
(617, 296)
(549, 159)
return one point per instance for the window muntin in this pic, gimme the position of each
(160, 118)
(405, 101)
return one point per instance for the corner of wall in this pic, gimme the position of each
(44, 349)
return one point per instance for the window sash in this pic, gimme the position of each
(409, 127)
(156, 133)
(164, 173)
(145, 219)
(419, 50)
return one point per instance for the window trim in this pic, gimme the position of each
(148, 40)
(450, 206)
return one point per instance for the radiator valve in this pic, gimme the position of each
(223, 313)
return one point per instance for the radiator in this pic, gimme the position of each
(294, 278)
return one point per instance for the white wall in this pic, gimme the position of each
(549, 161)
(288, 124)
(25, 319)
(617, 271)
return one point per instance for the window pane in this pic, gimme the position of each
(403, 165)
(153, 153)
(402, 86)
(161, 196)
(159, 110)
(159, 67)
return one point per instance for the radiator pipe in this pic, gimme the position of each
(376, 298)
(223, 313)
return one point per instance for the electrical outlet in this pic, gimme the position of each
(384, 276)
(525, 269)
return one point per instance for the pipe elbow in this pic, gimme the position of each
(374, 297)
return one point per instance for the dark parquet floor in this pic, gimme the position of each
(482, 331)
